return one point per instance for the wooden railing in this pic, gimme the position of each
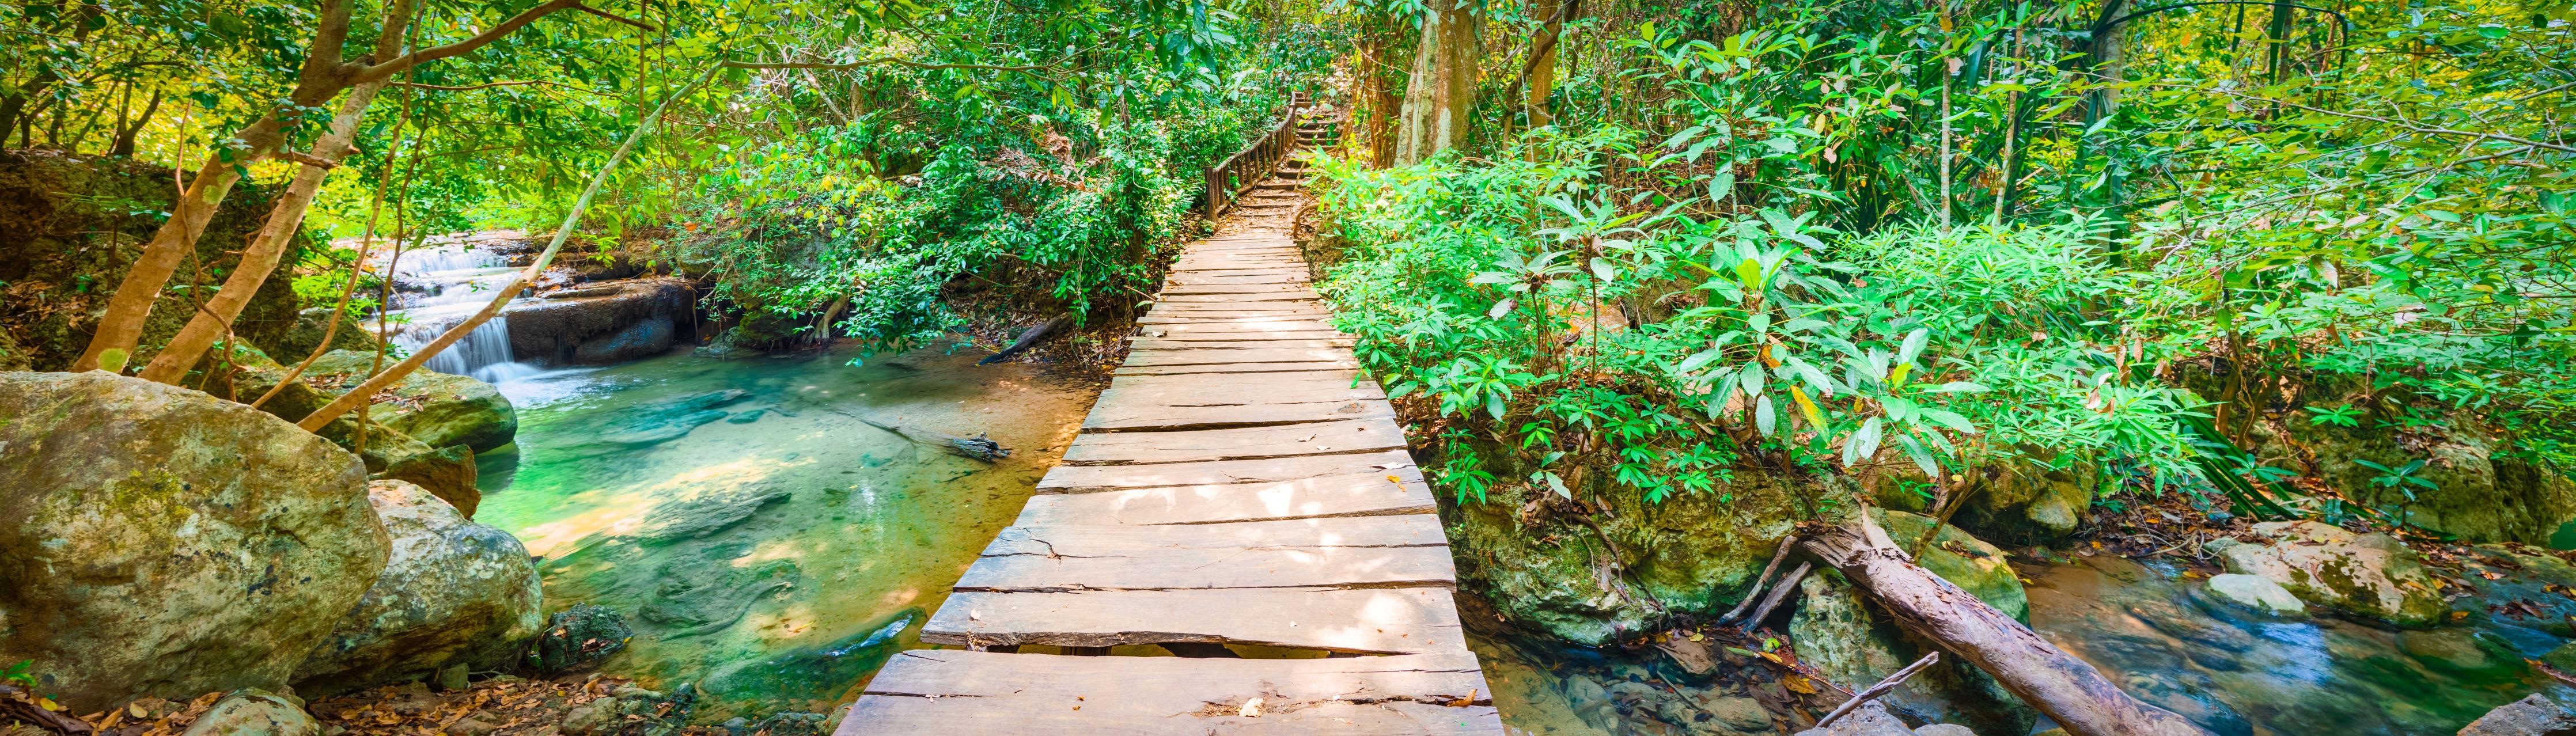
(1227, 180)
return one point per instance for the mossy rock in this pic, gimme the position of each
(1962, 559)
(158, 541)
(2368, 575)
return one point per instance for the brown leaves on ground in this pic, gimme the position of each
(501, 706)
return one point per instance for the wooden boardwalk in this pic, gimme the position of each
(1236, 484)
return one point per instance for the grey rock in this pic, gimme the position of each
(254, 712)
(1944, 729)
(2531, 716)
(453, 677)
(2258, 594)
(453, 593)
(1870, 719)
(1742, 714)
(157, 541)
(2372, 575)
(578, 637)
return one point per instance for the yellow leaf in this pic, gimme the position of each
(135, 709)
(1696, 637)
(1800, 684)
(48, 704)
(1814, 417)
(1395, 480)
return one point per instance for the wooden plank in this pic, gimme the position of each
(1262, 295)
(1142, 392)
(1365, 620)
(947, 691)
(1176, 370)
(1237, 336)
(1192, 417)
(1365, 494)
(1245, 307)
(1318, 438)
(1161, 343)
(1354, 552)
(1233, 324)
(1392, 467)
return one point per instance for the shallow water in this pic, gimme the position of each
(765, 543)
(2150, 630)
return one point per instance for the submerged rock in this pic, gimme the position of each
(453, 593)
(160, 541)
(1870, 719)
(255, 712)
(2371, 575)
(2257, 594)
(578, 637)
(2531, 716)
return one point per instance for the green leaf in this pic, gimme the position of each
(1950, 419)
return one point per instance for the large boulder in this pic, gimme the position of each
(453, 592)
(312, 324)
(1964, 560)
(157, 541)
(606, 323)
(2371, 575)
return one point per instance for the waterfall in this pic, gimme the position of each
(451, 281)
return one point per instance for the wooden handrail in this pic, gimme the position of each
(1227, 180)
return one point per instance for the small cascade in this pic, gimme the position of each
(444, 284)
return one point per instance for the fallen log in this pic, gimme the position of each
(2068, 690)
(978, 447)
(1029, 339)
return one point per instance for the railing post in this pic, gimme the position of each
(1215, 195)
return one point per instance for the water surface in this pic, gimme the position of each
(765, 543)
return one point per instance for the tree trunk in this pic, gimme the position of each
(260, 259)
(1380, 99)
(318, 81)
(124, 143)
(1442, 92)
(2067, 689)
(1540, 70)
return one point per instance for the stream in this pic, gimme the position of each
(2147, 626)
(772, 548)
(764, 542)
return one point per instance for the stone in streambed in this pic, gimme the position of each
(2371, 575)
(601, 324)
(2257, 594)
(1964, 560)
(453, 593)
(2531, 716)
(2462, 655)
(158, 541)
(1739, 714)
(577, 638)
(1869, 719)
(1944, 729)
(255, 712)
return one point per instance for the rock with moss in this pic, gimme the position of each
(1691, 552)
(1962, 559)
(2369, 575)
(2478, 491)
(2257, 594)
(158, 541)
(439, 409)
(311, 325)
(578, 638)
(453, 593)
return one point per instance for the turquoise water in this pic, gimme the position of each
(765, 543)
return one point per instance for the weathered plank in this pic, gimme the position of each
(1318, 438)
(1354, 552)
(1158, 343)
(1262, 295)
(933, 691)
(1191, 417)
(1175, 370)
(1392, 467)
(1160, 356)
(1207, 391)
(1364, 620)
(1363, 494)
(1241, 335)
(1237, 324)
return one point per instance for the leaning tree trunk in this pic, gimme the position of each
(320, 79)
(1442, 91)
(2067, 689)
(260, 259)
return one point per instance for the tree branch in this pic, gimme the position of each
(2401, 123)
(479, 40)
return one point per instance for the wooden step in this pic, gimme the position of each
(1359, 552)
(1320, 497)
(962, 692)
(1361, 620)
(1393, 467)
